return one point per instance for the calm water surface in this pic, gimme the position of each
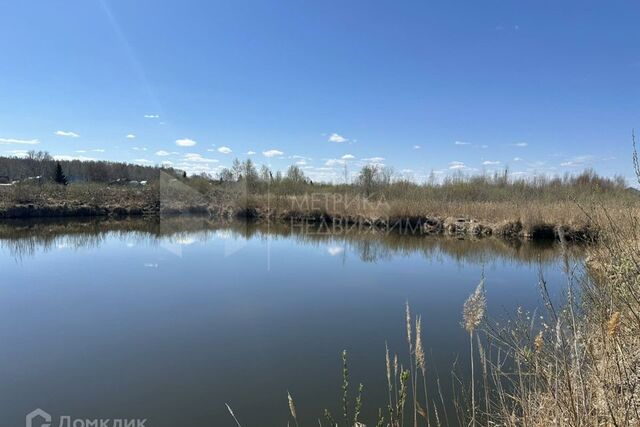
(170, 321)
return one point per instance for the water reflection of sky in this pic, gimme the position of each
(169, 324)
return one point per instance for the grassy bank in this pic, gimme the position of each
(475, 206)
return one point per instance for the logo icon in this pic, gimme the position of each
(38, 413)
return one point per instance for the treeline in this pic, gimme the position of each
(371, 180)
(375, 180)
(40, 165)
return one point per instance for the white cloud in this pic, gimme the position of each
(490, 162)
(130, 136)
(517, 159)
(19, 141)
(197, 158)
(70, 158)
(416, 147)
(520, 144)
(67, 133)
(457, 165)
(461, 143)
(272, 153)
(578, 161)
(570, 164)
(334, 162)
(224, 150)
(139, 148)
(151, 116)
(162, 153)
(143, 161)
(185, 142)
(348, 157)
(250, 153)
(301, 162)
(17, 153)
(334, 137)
(98, 150)
(374, 159)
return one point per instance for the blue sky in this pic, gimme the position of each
(542, 87)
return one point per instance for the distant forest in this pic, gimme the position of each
(42, 164)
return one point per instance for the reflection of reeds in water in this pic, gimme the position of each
(23, 238)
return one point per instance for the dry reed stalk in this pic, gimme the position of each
(232, 414)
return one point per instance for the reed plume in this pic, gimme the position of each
(292, 408)
(472, 314)
(422, 365)
(613, 325)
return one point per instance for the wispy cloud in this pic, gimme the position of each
(67, 133)
(130, 136)
(334, 162)
(490, 162)
(416, 147)
(334, 137)
(19, 141)
(225, 150)
(151, 116)
(517, 159)
(348, 157)
(185, 142)
(272, 153)
(457, 165)
(197, 158)
(162, 153)
(65, 157)
(578, 161)
(520, 144)
(461, 143)
(250, 153)
(143, 161)
(374, 160)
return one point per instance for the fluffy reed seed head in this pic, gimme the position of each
(613, 325)
(292, 407)
(395, 365)
(409, 335)
(420, 359)
(538, 342)
(388, 362)
(474, 308)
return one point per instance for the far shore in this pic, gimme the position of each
(414, 223)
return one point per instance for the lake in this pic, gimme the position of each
(169, 320)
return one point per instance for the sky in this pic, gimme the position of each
(540, 87)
